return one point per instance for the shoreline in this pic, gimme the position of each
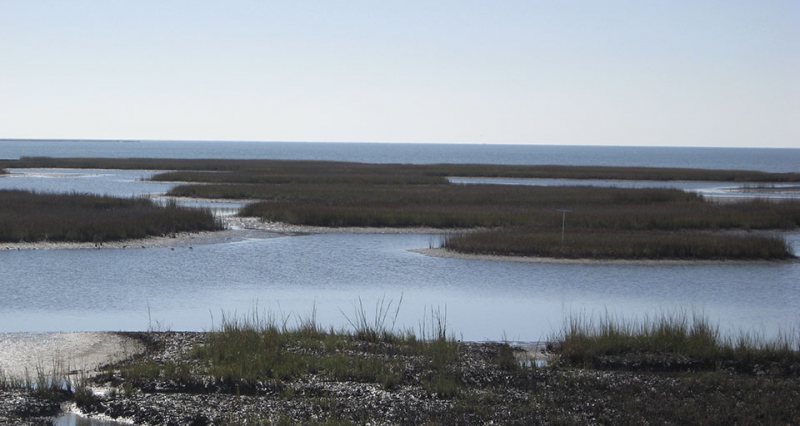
(448, 254)
(393, 382)
(254, 223)
(236, 228)
(181, 239)
(240, 228)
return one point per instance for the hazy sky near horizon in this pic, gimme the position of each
(613, 72)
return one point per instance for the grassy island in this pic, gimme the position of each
(619, 244)
(603, 223)
(30, 217)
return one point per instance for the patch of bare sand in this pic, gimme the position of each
(67, 352)
(233, 232)
(285, 228)
(236, 228)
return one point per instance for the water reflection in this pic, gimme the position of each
(119, 183)
(187, 289)
(72, 419)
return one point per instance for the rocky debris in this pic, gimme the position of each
(309, 398)
(18, 407)
(496, 383)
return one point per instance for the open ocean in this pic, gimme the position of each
(764, 159)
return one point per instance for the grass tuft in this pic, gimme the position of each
(679, 339)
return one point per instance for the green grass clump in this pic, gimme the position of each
(28, 216)
(679, 339)
(248, 355)
(52, 383)
(242, 354)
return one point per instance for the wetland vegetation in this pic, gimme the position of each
(619, 244)
(677, 341)
(29, 217)
(514, 220)
(247, 168)
(672, 368)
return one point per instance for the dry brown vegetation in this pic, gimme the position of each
(583, 244)
(603, 222)
(27, 216)
(277, 167)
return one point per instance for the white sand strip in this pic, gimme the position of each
(21, 352)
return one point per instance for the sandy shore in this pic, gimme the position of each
(21, 352)
(285, 228)
(237, 228)
(444, 253)
(240, 228)
(235, 231)
(176, 240)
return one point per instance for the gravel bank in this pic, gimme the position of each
(492, 389)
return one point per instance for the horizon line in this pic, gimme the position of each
(135, 140)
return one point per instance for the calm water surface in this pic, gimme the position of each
(766, 159)
(183, 288)
(119, 183)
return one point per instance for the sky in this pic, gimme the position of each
(610, 72)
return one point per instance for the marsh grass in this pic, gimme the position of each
(29, 216)
(54, 382)
(609, 172)
(619, 244)
(374, 328)
(273, 177)
(259, 351)
(300, 167)
(687, 341)
(458, 206)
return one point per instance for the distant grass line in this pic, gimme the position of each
(603, 222)
(329, 178)
(30, 217)
(609, 172)
(454, 206)
(632, 217)
(300, 167)
(486, 195)
(668, 341)
(582, 244)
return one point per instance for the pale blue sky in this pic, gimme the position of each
(673, 73)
